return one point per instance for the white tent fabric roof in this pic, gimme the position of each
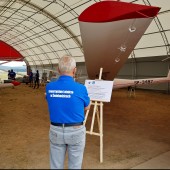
(44, 30)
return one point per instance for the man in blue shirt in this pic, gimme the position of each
(67, 100)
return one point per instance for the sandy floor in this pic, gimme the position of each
(135, 129)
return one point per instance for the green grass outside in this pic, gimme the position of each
(4, 75)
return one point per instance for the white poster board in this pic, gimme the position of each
(99, 90)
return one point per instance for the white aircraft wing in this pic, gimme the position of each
(120, 83)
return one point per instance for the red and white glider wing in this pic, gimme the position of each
(110, 30)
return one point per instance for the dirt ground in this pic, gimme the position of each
(135, 129)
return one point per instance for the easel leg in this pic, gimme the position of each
(86, 116)
(101, 132)
(98, 118)
(94, 112)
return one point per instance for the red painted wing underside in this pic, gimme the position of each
(107, 11)
(8, 53)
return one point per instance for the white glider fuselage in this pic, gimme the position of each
(121, 83)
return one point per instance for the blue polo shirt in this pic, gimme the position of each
(66, 100)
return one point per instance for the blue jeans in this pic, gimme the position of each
(71, 139)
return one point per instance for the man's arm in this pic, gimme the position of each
(86, 99)
(87, 108)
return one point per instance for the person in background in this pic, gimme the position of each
(67, 100)
(31, 78)
(12, 74)
(54, 77)
(9, 76)
(37, 81)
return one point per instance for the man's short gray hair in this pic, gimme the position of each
(66, 64)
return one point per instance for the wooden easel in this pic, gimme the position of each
(97, 111)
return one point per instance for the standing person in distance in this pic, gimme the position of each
(67, 100)
(31, 78)
(12, 74)
(37, 81)
(9, 76)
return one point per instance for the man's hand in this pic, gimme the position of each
(87, 108)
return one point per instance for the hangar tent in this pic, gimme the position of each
(41, 31)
